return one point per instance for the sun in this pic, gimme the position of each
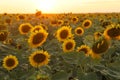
(45, 5)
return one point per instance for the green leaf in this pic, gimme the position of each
(88, 40)
(60, 76)
(76, 58)
(53, 46)
(88, 76)
(32, 77)
(107, 71)
(109, 53)
(70, 58)
(23, 74)
(115, 66)
(112, 74)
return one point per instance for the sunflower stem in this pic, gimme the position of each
(82, 68)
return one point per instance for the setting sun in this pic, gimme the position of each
(45, 5)
(59, 6)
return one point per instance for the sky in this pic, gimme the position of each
(59, 6)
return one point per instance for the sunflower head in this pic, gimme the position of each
(38, 38)
(38, 13)
(64, 33)
(79, 31)
(8, 21)
(21, 17)
(25, 28)
(86, 49)
(5, 14)
(10, 62)
(112, 32)
(37, 28)
(3, 35)
(53, 23)
(60, 22)
(106, 23)
(100, 47)
(18, 46)
(87, 23)
(74, 19)
(97, 35)
(68, 45)
(39, 58)
(66, 22)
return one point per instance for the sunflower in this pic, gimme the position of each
(5, 14)
(8, 21)
(68, 45)
(18, 46)
(60, 22)
(101, 20)
(38, 38)
(38, 13)
(39, 58)
(25, 28)
(10, 62)
(66, 22)
(53, 23)
(3, 35)
(64, 33)
(86, 49)
(99, 47)
(37, 28)
(97, 35)
(106, 23)
(87, 23)
(21, 17)
(112, 32)
(79, 31)
(74, 19)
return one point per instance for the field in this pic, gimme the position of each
(60, 46)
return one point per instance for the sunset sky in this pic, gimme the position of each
(59, 6)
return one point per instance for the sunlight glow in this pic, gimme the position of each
(59, 6)
(45, 5)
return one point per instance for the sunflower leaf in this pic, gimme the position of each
(76, 58)
(60, 76)
(87, 76)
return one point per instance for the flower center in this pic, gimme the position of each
(84, 50)
(38, 38)
(86, 24)
(113, 32)
(10, 62)
(25, 28)
(38, 58)
(64, 34)
(100, 47)
(69, 45)
(79, 31)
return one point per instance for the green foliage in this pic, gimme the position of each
(60, 76)
(62, 66)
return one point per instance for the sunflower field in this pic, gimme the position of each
(60, 46)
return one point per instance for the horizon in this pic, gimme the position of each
(64, 13)
(60, 6)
